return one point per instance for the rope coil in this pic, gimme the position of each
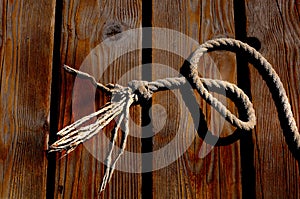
(139, 91)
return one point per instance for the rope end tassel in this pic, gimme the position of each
(139, 91)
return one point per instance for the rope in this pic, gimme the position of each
(89, 77)
(140, 91)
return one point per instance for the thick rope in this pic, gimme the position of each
(139, 91)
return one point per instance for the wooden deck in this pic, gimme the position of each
(38, 98)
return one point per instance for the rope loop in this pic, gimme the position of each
(263, 67)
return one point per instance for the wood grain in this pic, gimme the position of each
(277, 171)
(86, 25)
(26, 46)
(218, 174)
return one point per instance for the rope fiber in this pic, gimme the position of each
(140, 91)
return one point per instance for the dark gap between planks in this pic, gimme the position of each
(147, 147)
(55, 99)
(243, 82)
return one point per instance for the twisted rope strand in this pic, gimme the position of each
(137, 91)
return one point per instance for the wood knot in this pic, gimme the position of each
(113, 31)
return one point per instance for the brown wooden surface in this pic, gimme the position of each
(26, 45)
(217, 175)
(85, 24)
(260, 166)
(276, 24)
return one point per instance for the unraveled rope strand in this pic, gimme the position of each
(137, 91)
(91, 78)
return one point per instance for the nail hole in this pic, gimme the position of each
(60, 189)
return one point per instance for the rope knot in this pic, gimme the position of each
(141, 90)
(120, 92)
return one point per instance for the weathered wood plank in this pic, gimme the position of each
(276, 25)
(218, 174)
(85, 25)
(26, 46)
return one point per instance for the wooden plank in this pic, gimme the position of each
(89, 41)
(218, 174)
(276, 25)
(26, 46)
